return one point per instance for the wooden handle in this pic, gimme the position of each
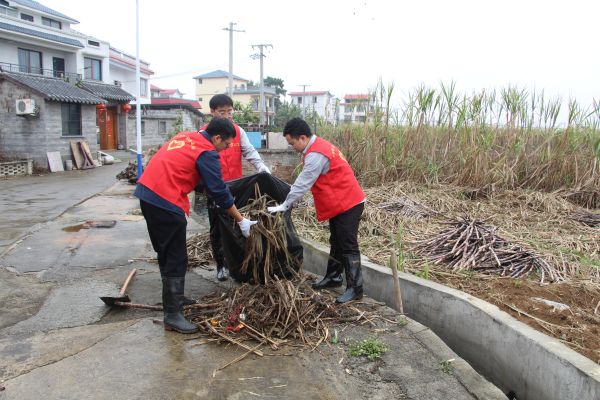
(135, 305)
(129, 278)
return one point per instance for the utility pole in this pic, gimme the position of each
(261, 55)
(231, 30)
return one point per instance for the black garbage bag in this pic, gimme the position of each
(233, 243)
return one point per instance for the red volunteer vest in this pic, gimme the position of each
(231, 157)
(338, 190)
(171, 173)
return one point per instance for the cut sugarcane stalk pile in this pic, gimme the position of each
(587, 218)
(280, 312)
(266, 252)
(199, 252)
(471, 245)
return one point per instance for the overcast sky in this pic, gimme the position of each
(345, 46)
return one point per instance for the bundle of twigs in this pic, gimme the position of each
(470, 244)
(279, 312)
(266, 252)
(199, 251)
(587, 218)
(129, 173)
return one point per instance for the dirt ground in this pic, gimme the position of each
(578, 326)
(400, 215)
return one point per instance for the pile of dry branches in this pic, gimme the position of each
(280, 312)
(470, 244)
(129, 173)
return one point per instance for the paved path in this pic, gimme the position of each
(59, 341)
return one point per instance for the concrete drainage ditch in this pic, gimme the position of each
(513, 356)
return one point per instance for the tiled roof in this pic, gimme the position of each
(37, 6)
(218, 74)
(42, 35)
(54, 89)
(193, 103)
(107, 92)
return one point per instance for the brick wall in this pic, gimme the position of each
(282, 163)
(151, 118)
(32, 137)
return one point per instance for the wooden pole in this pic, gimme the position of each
(398, 295)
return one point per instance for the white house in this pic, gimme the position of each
(321, 102)
(356, 108)
(39, 54)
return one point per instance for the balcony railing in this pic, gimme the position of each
(68, 76)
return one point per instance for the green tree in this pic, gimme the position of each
(243, 114)
(177, 126)
(276, 83)
(284, 113)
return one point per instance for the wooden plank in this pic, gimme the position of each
(88, 161)
(77, 154)
(55, 161)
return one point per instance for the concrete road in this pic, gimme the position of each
(59, 341)
(28, 201)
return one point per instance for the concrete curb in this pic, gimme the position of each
(509, 353)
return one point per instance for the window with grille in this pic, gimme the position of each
(71, 119)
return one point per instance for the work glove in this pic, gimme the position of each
(264, 168)
(245, 225)
(278, 208)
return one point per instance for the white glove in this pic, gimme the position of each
(245, 225)
(264, 168)
(277, 208)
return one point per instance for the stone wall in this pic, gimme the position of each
(151, 118)
(32, 137)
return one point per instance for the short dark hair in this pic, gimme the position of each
(220, 100)
(296, 127)
(221, 126)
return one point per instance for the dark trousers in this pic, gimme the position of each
(215, 232)
(343, 239)
(167, 232)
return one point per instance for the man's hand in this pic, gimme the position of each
(264, 168)
(277, 208)
(245, 225)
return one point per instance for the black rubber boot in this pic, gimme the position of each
(173, 306)
(333, 275)
(222, 273)
(354, 281)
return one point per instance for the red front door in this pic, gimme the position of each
(107, 121)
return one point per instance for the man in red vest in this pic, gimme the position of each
(221, 106)
(338, 198)
(181, 164)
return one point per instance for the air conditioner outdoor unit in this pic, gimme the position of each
(26, 107)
